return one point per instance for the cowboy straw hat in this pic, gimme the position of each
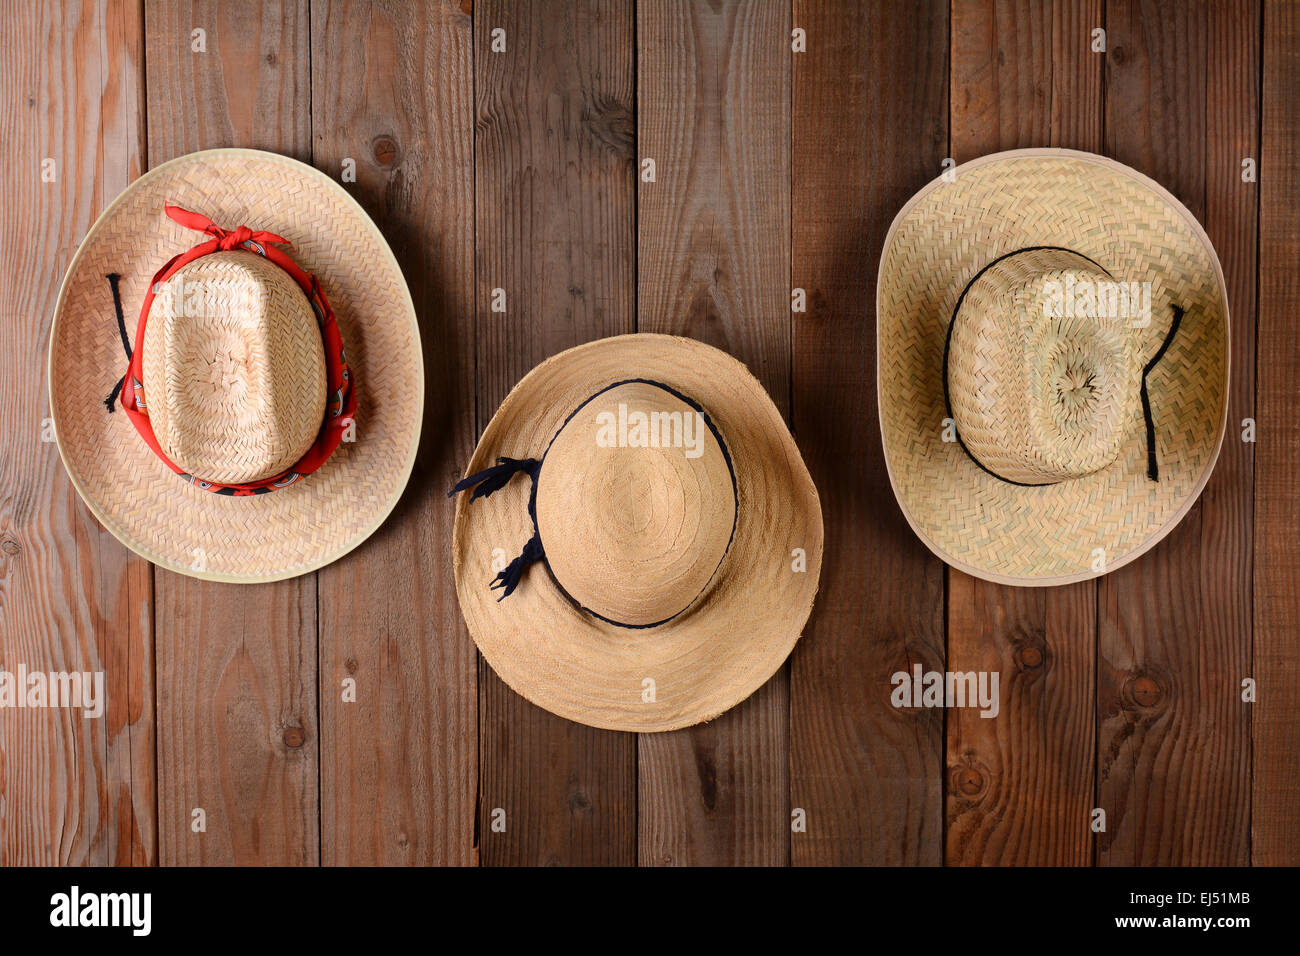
(665, 534)
(271, 379)
(1052, 364)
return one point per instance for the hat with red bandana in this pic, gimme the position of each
(235, 372)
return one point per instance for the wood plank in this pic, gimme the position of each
(393, 90)
(1228, 519)
(236, 664)
(1276, 719)
(1077, 75)
(1174, 627)
(251, 88)
(1020, 785)
(713, 111)
(73, 790)
(870, 127)
(555, 229)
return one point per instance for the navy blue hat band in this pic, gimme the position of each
(484, 483)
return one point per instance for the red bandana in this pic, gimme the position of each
(342, 405)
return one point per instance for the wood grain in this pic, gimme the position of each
(1024, 74)
(870, 127)
(236, 664)
(555, 229)
(1020, 785)
(713, 253)
(251, 88)
(773, 169)
(73, 789)
(1228, 516)
(1174, 627)
(392, 88)
(1276, 716)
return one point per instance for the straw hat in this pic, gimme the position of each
(253, 435)
(1052, 365)
(666, 537)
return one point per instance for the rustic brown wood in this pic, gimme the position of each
(1227, 520)
(1076, 72)
(127, 646)
(1024, 74)
(1020, 786)
(393, 89)
(251, 88)
(74, 790)
(870, 119)
(1174, 627)
(713, 98)
(236, 664)
(1276, 718)
(554, 213)
(771, 172)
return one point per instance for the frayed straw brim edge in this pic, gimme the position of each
(798, 619)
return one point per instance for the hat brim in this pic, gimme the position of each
(151, 510)
(731, 640)
(1081, 528)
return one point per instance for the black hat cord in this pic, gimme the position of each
(490, 480)
(1153, 465)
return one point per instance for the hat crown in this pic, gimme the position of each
(635, 504)
(234, 368)
(1040, 391)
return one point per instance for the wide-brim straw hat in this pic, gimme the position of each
(1053, 356)
(292, 375)
(665, 534)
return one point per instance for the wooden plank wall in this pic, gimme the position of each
(71, 598)
(870, 117)
(520, 170)
(392, 90)
(555, 213)
(1173, 627)
(713, 245)
(236, 679)
(1276, 787)
(1020, 786)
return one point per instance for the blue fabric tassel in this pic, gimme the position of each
(495, 478)
(509, 577)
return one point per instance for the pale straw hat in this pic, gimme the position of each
(642, 544)
(1052, 364)
(271, 376)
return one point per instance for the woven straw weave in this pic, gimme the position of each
(1137, 232)
(134, 495)
(1039, 397)
(635, 534)
(732, 638)
(234, 368)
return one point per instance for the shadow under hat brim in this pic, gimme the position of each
(1081, 528)
(731, 640)
(154, 512)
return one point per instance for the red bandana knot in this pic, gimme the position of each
(341, 407)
